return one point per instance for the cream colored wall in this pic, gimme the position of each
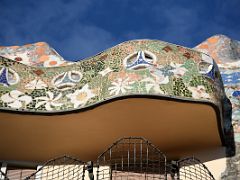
(216, 167)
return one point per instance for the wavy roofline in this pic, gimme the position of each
(107, 49)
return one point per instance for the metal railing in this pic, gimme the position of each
(137, 158)
(60, 168)
(132, 157)
(188, 169)
(127, 159)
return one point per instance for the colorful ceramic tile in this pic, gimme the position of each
(131, 68)
(227, 54)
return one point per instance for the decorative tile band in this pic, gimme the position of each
(131, 68)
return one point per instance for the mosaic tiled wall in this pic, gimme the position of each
(226, 53)
(39, 54)
(131, 68)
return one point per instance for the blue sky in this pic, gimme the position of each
(82, 28)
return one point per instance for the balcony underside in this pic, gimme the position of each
(178, 128)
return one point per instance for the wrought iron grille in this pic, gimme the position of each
(192, 168)
(60, 168)
(131, 158)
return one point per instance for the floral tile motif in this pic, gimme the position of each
(131, 68)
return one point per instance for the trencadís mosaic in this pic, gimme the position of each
(141, 67)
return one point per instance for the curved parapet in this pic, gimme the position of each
(132, 68)
(167, 93)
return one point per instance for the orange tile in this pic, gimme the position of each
(203, 46)
(213, 40)
(43, 58)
